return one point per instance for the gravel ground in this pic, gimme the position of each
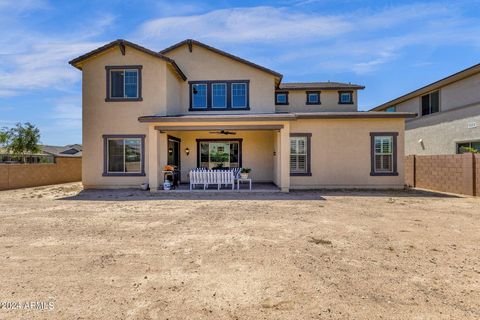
(306, 255)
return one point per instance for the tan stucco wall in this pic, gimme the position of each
(173, 90)
(440, 132)
(412, 105)
(297, 102)
(203, 64)
(257, 151)
(341, 153)
(458, 94)
(14, 176)
(101, 117)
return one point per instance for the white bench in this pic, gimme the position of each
(208, 177)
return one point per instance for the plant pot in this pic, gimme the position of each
(244, 175)
(144, 186)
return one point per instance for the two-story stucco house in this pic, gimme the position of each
(190, 102)
(448, 114)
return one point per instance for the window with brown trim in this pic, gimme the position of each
(123, 155)
(300, 154)
(219, 95)
(313, 97)
(124, 83)
(383, 152)
(281, 98)
(345, 97)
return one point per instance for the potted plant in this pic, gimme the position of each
(244, 173)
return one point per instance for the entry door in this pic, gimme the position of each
(174, 152)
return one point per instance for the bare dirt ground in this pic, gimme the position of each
(305, 255)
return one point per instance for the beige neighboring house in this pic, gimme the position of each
(46, 155)
(192, 105)
(448, 114)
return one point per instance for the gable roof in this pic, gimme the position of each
(432, 86)
(319, 86)
(191, 42)
(122, 44)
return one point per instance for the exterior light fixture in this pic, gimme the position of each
(187, 151)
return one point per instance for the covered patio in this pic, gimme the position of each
(221, 142)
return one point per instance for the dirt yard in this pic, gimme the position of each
(305, 255)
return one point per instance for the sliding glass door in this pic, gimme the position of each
(219, 154)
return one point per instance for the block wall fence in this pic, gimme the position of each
(65, 169)
(458, 173)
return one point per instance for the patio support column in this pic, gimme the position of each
(285, 158)
(153, 158)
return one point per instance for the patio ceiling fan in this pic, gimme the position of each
(225, 132)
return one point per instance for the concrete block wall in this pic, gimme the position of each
(65, 169)
(447, 173)
(410, 171)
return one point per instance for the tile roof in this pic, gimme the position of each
(319, 86)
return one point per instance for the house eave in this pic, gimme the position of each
(355, 115)
(122, 44)
(277, 116)
(219, 117)
(191, 42)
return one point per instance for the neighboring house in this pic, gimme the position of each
(192, 105)
(72, 150)
(46, 155)
(448, 114)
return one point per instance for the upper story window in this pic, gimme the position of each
(431, 103)
(313, 97)
(222, 94)
(199, 96)
(239, 95)
(219, 95)
(281, 98)
(124, 83)
(391, 109)
(345, 97)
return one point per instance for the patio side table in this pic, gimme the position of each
(244, 180)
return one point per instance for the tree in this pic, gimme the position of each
(21, 139)
(3, 136)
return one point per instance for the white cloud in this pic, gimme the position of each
(39, 60)
(67, 112)
(238, 25)
(44, 65)
(360, 41)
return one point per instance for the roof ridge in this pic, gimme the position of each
(224, 53)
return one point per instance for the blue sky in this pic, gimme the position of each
(391, 47)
